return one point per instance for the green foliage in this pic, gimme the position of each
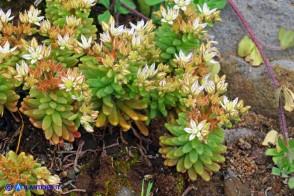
(117, 8)
(195, 157)
(145, 8)
(153, 2)
(171, 42)
(149, 187)
(52, 112)
(283, 157)
(25, 170)
(219, 4)
(104, 17)
(8, 97)
(286, 38)
(57, 12)
(114, 97)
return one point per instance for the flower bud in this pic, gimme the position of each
(222, 86)
(210, 87)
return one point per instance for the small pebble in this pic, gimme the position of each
(125, 191)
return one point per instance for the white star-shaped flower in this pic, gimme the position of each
(169, 15)
(229, 105)
(6, 49)
(181, 4)
(105, 37)
(85, 43)
(209, 54)
(23, 69)
(205, 10)
(62, 41)
(183, 58)
(194, 130)
(196, 25)
(34, 18)
(116, 31)
(139, 27)
(5, 17)
(196, 88)
(34, 54)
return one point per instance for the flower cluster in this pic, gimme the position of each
(25, 171)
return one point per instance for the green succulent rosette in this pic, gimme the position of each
(195, 156)
(8, 96)
(51, 112)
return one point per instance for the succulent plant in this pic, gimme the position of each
(74, 13)
(58, 101)
(196, 156)
(23, 169)
(111, 72)
(51, 112)
(182, 29)
(8, 97)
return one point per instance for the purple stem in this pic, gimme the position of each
(135, 11)
(268, 67)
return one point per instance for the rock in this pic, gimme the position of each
(259, 157)
(233, 185)
(125, 191)
(234, 135)
(252, 83)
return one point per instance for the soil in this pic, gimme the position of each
(107, 160)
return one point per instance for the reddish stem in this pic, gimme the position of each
(135, 11)
(268, 67)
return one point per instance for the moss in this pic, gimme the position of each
(120, 178)
(180, 183)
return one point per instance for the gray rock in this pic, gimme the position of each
(233, 135)
(234, 187)
(125, 191)
(252, 83)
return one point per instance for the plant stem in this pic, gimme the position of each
(20, 133)
(268, 67)
(135, 11)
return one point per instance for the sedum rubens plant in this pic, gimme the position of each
(74, 13)
(194, 144)
(59, 100)
(25, 170)
(8, 96)
(111, 68)
(132, 74)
